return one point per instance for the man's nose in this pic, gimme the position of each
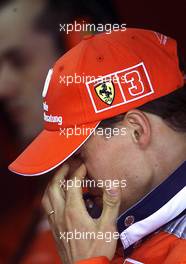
(8, 82)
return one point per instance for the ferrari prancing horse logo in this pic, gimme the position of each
(105, 92)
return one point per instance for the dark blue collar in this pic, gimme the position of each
(155, 200)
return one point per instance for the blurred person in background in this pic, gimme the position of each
(26, 52)
(30, 41)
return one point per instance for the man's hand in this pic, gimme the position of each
(70, 215)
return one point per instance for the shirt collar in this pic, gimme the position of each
(157, 208)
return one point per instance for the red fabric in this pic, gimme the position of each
(96, 260)
(161, 248)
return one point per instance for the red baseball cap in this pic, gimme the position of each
(103, 76)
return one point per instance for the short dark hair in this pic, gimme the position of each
(171, 108)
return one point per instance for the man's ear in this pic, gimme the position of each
(139, 127)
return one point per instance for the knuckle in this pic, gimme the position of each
(112, 202)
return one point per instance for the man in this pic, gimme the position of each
(31, 41)
(143, 109)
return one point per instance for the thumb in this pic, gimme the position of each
(111, 204)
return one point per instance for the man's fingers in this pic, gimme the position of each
(55, 188)
(60, 174)
(55, 193)
(46, 203)
(74, 199)
(111, 204)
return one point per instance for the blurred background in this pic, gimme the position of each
(30, 42)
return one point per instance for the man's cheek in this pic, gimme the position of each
(95, 164)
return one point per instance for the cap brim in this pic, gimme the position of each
(49, 150)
